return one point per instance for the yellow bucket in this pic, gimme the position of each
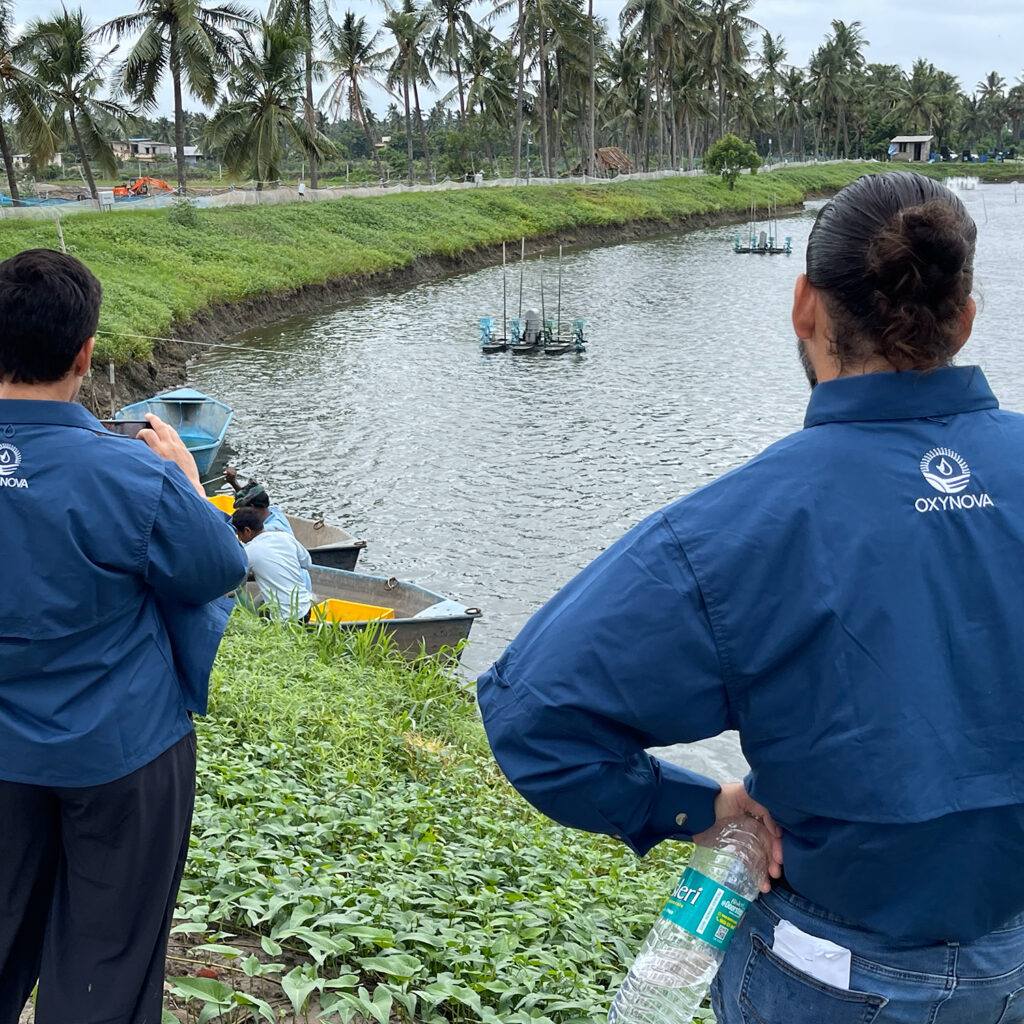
(334, 610)
(225, 502)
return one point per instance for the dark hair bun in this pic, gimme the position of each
(919, 252)
(894, 253)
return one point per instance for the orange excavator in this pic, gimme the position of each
(142, 187)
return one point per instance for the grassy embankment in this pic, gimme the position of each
(355, 846)
(157, 272)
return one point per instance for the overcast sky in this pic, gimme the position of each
(966, 37)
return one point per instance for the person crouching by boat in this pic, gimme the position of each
(113, 562)
(254, 495)
(280, 564)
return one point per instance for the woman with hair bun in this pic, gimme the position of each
(852, 602)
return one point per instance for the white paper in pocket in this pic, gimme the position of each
(819, 958)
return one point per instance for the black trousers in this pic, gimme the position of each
(88, 883)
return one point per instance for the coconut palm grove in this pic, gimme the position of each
(436, 88)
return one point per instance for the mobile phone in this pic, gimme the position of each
(129, 428)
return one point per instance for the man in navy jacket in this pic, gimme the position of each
(113, 561)
(852, 601)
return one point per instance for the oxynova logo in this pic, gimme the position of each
(948, 472)
(945, 470)
(10, 460)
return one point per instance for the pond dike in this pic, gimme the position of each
(166, 367)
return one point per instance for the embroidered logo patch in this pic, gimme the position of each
(945, 470)
(10, 459)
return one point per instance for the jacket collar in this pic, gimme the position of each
(67, 414)
(908, 395)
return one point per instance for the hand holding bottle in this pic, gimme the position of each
(735, 802)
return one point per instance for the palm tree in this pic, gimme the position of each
(264, 114)
(408, 24)
(972, 123)
(623, 103)
(18, 89)
(453, 26)
(591, 82)
(848, 41)
(310, 17)
(794, 91)
(71, 76)
(829, 87)
(354, 58)
(186, 38)
(725, 46)
(918, 104)
(773, 58)
(991, 89)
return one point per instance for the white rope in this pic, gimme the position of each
(185, 341)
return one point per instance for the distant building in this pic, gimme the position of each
(606, 160)
(149, 149)
(23, 161)
(911, 149)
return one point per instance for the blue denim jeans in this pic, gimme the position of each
(980, 982)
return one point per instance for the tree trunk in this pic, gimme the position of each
(661, 114)
(517, 142)
(408, 114)
(645, 126)
(558, 111)
(545, 157)
(12, 181)
(592, 143)
(360, 113)
(422, 129)
(86, 169)
(721, 103)
(179, 125)
(462, 98)
(314, 163)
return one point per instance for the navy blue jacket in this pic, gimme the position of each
(852, 601)
(110, 614)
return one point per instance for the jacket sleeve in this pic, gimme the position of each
(193, 555)
(621, 659)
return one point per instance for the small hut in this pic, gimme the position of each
(911, 149)
(607, 160)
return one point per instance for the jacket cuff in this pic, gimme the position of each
(683, 806)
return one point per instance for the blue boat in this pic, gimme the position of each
(200, 421)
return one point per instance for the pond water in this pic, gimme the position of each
(494, 479)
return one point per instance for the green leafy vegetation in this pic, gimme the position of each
(355, 850)
(159, 268)
(729, 156)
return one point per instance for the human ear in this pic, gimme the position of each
(804, 308)
(80, 367)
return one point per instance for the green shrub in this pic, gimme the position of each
(351, 821)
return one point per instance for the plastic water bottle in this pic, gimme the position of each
(679, 959)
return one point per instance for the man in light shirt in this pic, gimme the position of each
(280, 564)
(255, 496)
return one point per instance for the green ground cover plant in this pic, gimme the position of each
(356, 853)
(162, 267)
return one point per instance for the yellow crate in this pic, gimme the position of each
(334, 610)
(225, 502)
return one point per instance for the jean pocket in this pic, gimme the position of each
(1013, 1010)
(774, 992)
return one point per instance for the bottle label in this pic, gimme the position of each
(705, 908)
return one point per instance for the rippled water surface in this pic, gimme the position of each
(493, 479)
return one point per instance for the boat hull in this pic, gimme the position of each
(329, 546)
(424, 623)
(201, 421)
